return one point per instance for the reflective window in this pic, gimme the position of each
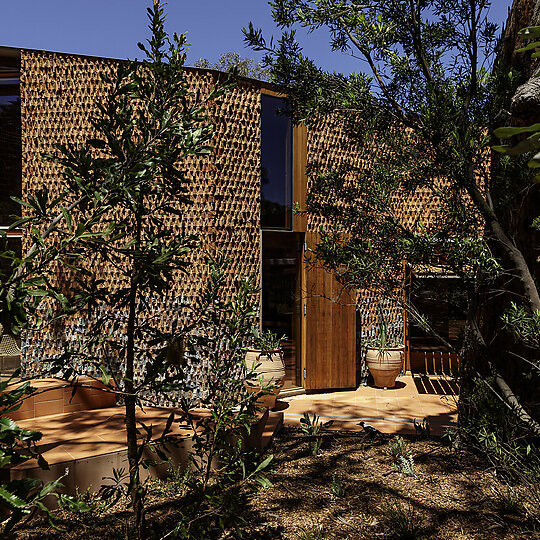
(10, 148)
(276, 164)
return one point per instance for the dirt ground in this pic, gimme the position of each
(353, 489)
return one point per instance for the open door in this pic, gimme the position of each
(330, 322)
(281, 298)
(441, 299)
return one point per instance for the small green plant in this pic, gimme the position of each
(508, 501)
(88, 502)
(401, 520)
(402, 458)
(397, 447)
(313, 427)
(178, 474)
(405, 465)
(384, 338)
(336, 488)
(312, 533)
(266, 340)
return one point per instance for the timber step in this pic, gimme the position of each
(89, 444)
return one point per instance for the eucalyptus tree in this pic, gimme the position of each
(419, 110)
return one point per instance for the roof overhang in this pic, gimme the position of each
(10, 59)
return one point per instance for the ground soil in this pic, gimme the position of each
(350, 490)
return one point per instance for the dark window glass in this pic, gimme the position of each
(10, 248)
(10, 148)
(281, 301)
(276, 164)
(443, 302)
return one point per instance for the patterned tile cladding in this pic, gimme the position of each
(329, 145)
(59, 94)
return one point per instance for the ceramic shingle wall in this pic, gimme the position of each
(59, 95)
(331, 147)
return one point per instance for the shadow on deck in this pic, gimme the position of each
(391, 411)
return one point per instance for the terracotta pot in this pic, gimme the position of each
(268, 365)
(384, 365)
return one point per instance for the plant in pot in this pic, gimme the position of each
(384, 354)
(265, 359)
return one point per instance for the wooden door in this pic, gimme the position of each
(330, 323)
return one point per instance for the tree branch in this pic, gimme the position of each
(513, 253)
(509, 397)
(417, 41)
(398, 109)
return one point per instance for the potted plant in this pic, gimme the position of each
(265, 360)
(384, 355)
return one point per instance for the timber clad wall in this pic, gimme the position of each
(59, 94)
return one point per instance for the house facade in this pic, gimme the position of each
(243, 196)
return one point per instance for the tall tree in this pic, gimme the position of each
(244, 67)
(123, 189)
(422, 119)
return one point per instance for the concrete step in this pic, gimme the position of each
(89, 444)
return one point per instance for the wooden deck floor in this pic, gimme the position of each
(391, 411)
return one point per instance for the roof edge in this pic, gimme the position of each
(15, 53)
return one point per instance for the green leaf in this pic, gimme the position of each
(105, 377)
(167, 429)
(38, 292)
(501, 148)
(7, 423)
(67, 218)
(529, 47)
(529, 144)
(509, 131)
(73, 504)
(534, 163)
(50, 487)
(263, 464)
(264, 482)
(530, 32)
(11, 499)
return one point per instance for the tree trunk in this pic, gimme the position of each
(131, 418)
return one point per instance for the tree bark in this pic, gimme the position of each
(131, 418)
(131, 399)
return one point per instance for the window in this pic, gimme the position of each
(442, 300)
(276, 164)
(10, 148)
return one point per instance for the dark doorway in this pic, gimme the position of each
(281, 296)
(441, 300)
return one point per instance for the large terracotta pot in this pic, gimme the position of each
(268, 365)
(384, 365)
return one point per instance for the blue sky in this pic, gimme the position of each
(112, 28)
